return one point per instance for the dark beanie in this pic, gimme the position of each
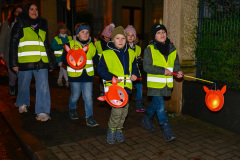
(118, 30)
(155, 28)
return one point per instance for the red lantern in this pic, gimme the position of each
(76, 58)
(214, 99)
(116, 95)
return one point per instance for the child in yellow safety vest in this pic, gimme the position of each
(160, 60)
(61, 38)
(120, 62)
(131, 37)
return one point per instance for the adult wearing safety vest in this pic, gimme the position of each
(30, 54)
(118, 61)
(101, 46)
(160, 60)
(81, 81)
(62, 37)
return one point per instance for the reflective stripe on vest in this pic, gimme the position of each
(160, 81)
(115, 67)
(59, 41)
(31, 48)
(99, 48)
(89, 63)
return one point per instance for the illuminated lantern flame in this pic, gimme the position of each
(76, 58)
(214, 99)
(116, 95)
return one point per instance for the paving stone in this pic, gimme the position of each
(195, 154)
(115, 157)
(210, 152)
(150, 155)
(61, 155)
(225, 156)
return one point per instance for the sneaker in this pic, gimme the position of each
(91, 122)
(59, 82)
(12, 90)
(141, 110)
(67, 84)
(73, 114)
(147, 122)
(111, 135)
(119, 135)
(22, 108)
(43, 117)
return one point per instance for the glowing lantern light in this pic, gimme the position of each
(76, 58)
(116, 95)
(214, 99)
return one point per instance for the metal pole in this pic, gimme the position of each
(73, 14)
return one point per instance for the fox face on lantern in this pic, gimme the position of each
(76, 58)
(116, 95)
(214, 99)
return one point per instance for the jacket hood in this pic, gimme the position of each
(110, 45)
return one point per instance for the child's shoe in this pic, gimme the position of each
(73, 114)
(119, 135)
(139, 106)
(167, 132)
(91, 122)
(59, 82)
(12, 90)
(147, 122)
(111, 135)
(22, 108)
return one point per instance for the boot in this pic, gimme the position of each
(111, 135)
(147, 122)
(119, 135)
(139, 106)
(167, 132)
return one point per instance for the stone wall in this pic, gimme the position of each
(180, 18)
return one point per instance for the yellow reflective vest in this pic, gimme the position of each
(89, 64)
(115, 67)
(137, 50)
(59, 41)
(31, 47)
(99, 47)
(160, 81)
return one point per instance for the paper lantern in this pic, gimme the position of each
(214, 99)
(76, 58)
(116, 95)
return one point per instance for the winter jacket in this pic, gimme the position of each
(123, 56)
(149, 68)
(5, 40)
(17, 34)
(84, 76)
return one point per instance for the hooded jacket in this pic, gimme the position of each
(17, 34)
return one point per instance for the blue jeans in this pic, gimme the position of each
(43, 101)
(158, 106)
(86, 89)
(139, 88)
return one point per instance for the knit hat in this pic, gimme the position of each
(81, 26)
(131, 29)
(61, 25)
(107, 32)
(155, 28)
(118, 30)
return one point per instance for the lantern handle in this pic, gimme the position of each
(175, 74)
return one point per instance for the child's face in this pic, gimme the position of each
(119, 41)
(130, 37)
(83, 35)
(106, 39)
(161, 36)
(63, 30)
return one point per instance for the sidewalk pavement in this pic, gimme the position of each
(64, 139)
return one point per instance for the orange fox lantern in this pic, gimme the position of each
(76, 58)
(214, 99)
(116, 95)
